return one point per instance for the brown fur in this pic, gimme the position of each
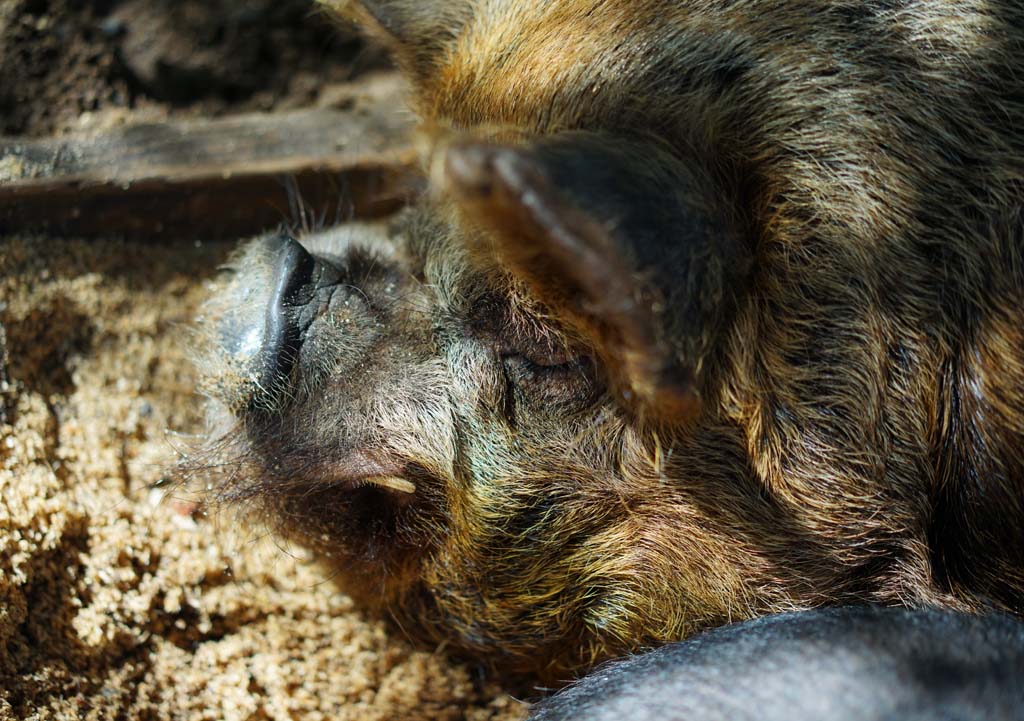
(807, 389)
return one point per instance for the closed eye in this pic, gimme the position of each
(547, 386)
(525, 365)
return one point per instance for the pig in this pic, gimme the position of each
(711, 310)
(855, 663)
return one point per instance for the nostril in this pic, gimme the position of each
(291, 289)
(294, 270)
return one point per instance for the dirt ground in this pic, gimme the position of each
(72, 65)
(118, 601)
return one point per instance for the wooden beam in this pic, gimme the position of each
(208, 179)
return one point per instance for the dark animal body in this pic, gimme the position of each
(846, 664)
(715, 310)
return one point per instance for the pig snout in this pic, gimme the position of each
(279, 292)
(262, 336)
(290, 290)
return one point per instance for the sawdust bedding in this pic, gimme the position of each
(117, 601)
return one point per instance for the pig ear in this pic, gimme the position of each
(416, 31)
(621, 238)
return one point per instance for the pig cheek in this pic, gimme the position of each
(414, 416)
(478, 387)
(480, 397)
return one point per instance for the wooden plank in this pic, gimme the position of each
(226, 177)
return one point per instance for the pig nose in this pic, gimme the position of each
(294, 267)
(291, 288)
(266, 309)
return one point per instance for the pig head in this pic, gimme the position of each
(652, 354)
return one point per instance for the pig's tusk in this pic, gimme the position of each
(393, 482)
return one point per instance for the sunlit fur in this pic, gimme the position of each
(861, 433)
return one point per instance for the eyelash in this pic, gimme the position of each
(534, 368)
